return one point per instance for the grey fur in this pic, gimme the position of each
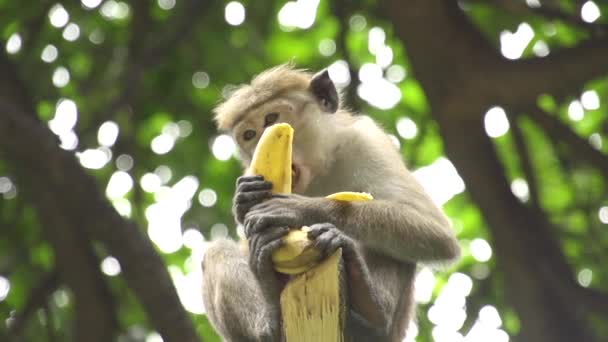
(400, 228)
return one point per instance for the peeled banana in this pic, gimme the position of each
(272, 159)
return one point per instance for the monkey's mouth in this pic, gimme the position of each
(295, 176)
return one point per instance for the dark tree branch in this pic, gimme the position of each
(580, 148)
(68, 191)
(37, 299)
(462, 76)
(550, 12)
(341, 10)
(593, 300)
(526, 161)
(522, 81)
(144, 57)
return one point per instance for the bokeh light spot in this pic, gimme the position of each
(58, 16)
(495, 122)
(480, 250)
(395, 73)
(193, 238)
(66, 116)
(407, 128)
(119, 185)
(207, 197)
(13, 44)
(5, 288)
(339, 73)
(49, 54)
(234, 13)
(590, 12)
(541, 49)
(519, 187)
(166, 4)
(200, 80)
(219, 231)
(590, 100)
(110, 266)
(71, 32)
(357, 23)
(61, 77)
(93, 158)
(585, 276)
(223, 147)
(107, 134)
(424, 285)
(603, 215)
(124, 162)
(327, 47)
(150, 182)
(513, 44)
(162, 144)
(90, 4)
(576, 112)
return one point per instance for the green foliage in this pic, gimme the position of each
(130, 75)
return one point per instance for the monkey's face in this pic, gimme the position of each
(302, 113)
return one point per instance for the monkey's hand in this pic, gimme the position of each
(261, 247)
(250, 190)
(285, 210)
(327, 239)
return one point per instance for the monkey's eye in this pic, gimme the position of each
(249, 134)
(270, 119)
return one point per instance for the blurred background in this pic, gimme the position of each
(113, 177)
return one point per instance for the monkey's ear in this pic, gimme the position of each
(324, 90)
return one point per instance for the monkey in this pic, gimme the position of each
(334, 150)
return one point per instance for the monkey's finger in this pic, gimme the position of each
(252, 256)
(253, 186)
(275, 202)
(249, 178)
(318, 229)
(263, 222)
(252, 197)
(265, 255)
(323, 241)
(260, 241)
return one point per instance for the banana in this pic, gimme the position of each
(348, 196)
(272, 159)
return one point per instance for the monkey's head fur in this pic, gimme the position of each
(309, 102)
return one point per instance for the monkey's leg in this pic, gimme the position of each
(232, 296)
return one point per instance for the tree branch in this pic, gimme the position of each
(461, 75)
(550, 12)
(341, 10)
(37, 299)
(143, 58)
(559, 131)
(522, 81)
(71, 192)
(526, 161)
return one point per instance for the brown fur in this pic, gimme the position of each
(263, 87)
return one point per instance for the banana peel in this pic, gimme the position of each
(272, 159)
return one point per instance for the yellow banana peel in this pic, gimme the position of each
(348, 196)
(272, 159)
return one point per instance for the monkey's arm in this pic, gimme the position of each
(411, 228)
